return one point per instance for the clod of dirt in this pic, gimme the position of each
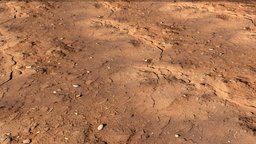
(88, 82)
(5, 139)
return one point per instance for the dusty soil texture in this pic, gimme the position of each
(145, 72)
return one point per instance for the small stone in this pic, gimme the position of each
(88, 71)
(148, 60)
(100, 127)
(28, 67)
(78, 95)
(185, 96)
(76, 85)
(26, 141)
(54, 92)
(177, 135)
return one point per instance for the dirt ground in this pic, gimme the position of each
(88, 72)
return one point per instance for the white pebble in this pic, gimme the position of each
(78, 95)
(177, 135)
(75, 85)
(28, 67)
(26, 141)
(100, 127)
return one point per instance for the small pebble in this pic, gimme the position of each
(177, 135)
(28, 67)
(100, 127)
(75, 85)
(148, 60)
(88, 72)
(78, 95)
(26, 141)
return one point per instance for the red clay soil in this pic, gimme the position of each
(88, 72)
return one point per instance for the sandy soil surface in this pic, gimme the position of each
(127, 72)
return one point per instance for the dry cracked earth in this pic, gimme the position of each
(153, 72)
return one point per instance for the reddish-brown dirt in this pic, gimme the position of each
(151, 72)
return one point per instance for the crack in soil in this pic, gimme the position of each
(10, 75)
(132, 31)
(219, 87)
